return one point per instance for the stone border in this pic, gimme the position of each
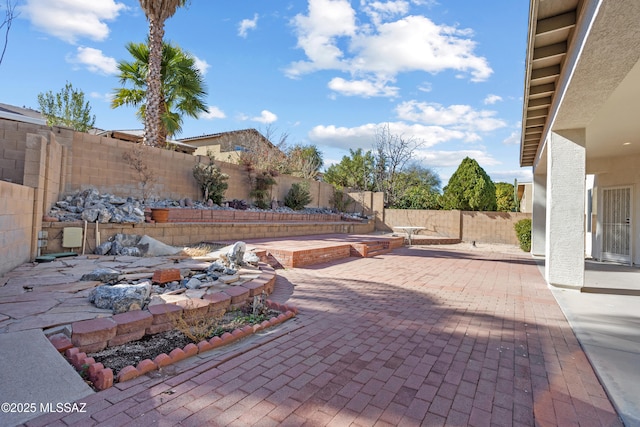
(89, 336)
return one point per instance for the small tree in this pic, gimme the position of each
(211, 180)
(261, 191)
(469, 189)
(392, 154)
(504, 197)
(137, 159)
(353, 172)
(417, 187)
(298, 196)
(67, 108)
(304, 161)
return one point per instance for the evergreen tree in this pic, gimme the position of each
(505, 197)
(469, 189)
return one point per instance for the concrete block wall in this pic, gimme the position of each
(16, 221)
(436, 222)
(485, 227)
(97, 162)
(12, 145)
(491, 227)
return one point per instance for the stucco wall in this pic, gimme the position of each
(616, 172)
(16, 220)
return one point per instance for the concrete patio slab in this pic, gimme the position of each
(33, 372)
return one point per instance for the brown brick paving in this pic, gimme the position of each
(420, 336)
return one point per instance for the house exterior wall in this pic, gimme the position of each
(616, 172)
(217, 153)
(526, 202)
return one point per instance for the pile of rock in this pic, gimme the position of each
(90, 206)
(135, 245)
(121, 294)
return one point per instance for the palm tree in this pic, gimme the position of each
(181, 86)
(157, 12)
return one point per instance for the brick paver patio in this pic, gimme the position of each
(420, 336)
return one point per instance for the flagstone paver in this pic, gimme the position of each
(420, 336)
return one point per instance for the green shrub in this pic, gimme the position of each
(298, 196)
(340, 200)
(261, 190)
(523, 231)
(212, 182)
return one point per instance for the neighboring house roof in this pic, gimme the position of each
(231, 140)
(26, 115)
(136, 135)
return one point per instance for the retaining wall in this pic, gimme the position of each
(184, 234)
(16, 225)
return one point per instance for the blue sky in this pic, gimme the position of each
(326, 72)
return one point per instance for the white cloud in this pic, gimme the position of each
(364, 88)
(364, 135)
(246, 25)
(333, 38)
(70, 20)
(201, 65)
(425, 87)
(415, 43)
(452, 159)
(523, 175)
(513, 139)
(461, 117)
(318, 32)
(380, 11)
(213, 113)
(492, 99)
(94, 60)
(265, 117)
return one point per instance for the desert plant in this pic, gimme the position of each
(261, 189)
(197, 328)
(298, 196)
(137, 159)
(211, 180)
(523, 231)
(340, 200)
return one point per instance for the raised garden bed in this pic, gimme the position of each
(102, 377)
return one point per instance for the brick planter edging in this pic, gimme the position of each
(94, 335)
(103, 378)
(89, 336)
